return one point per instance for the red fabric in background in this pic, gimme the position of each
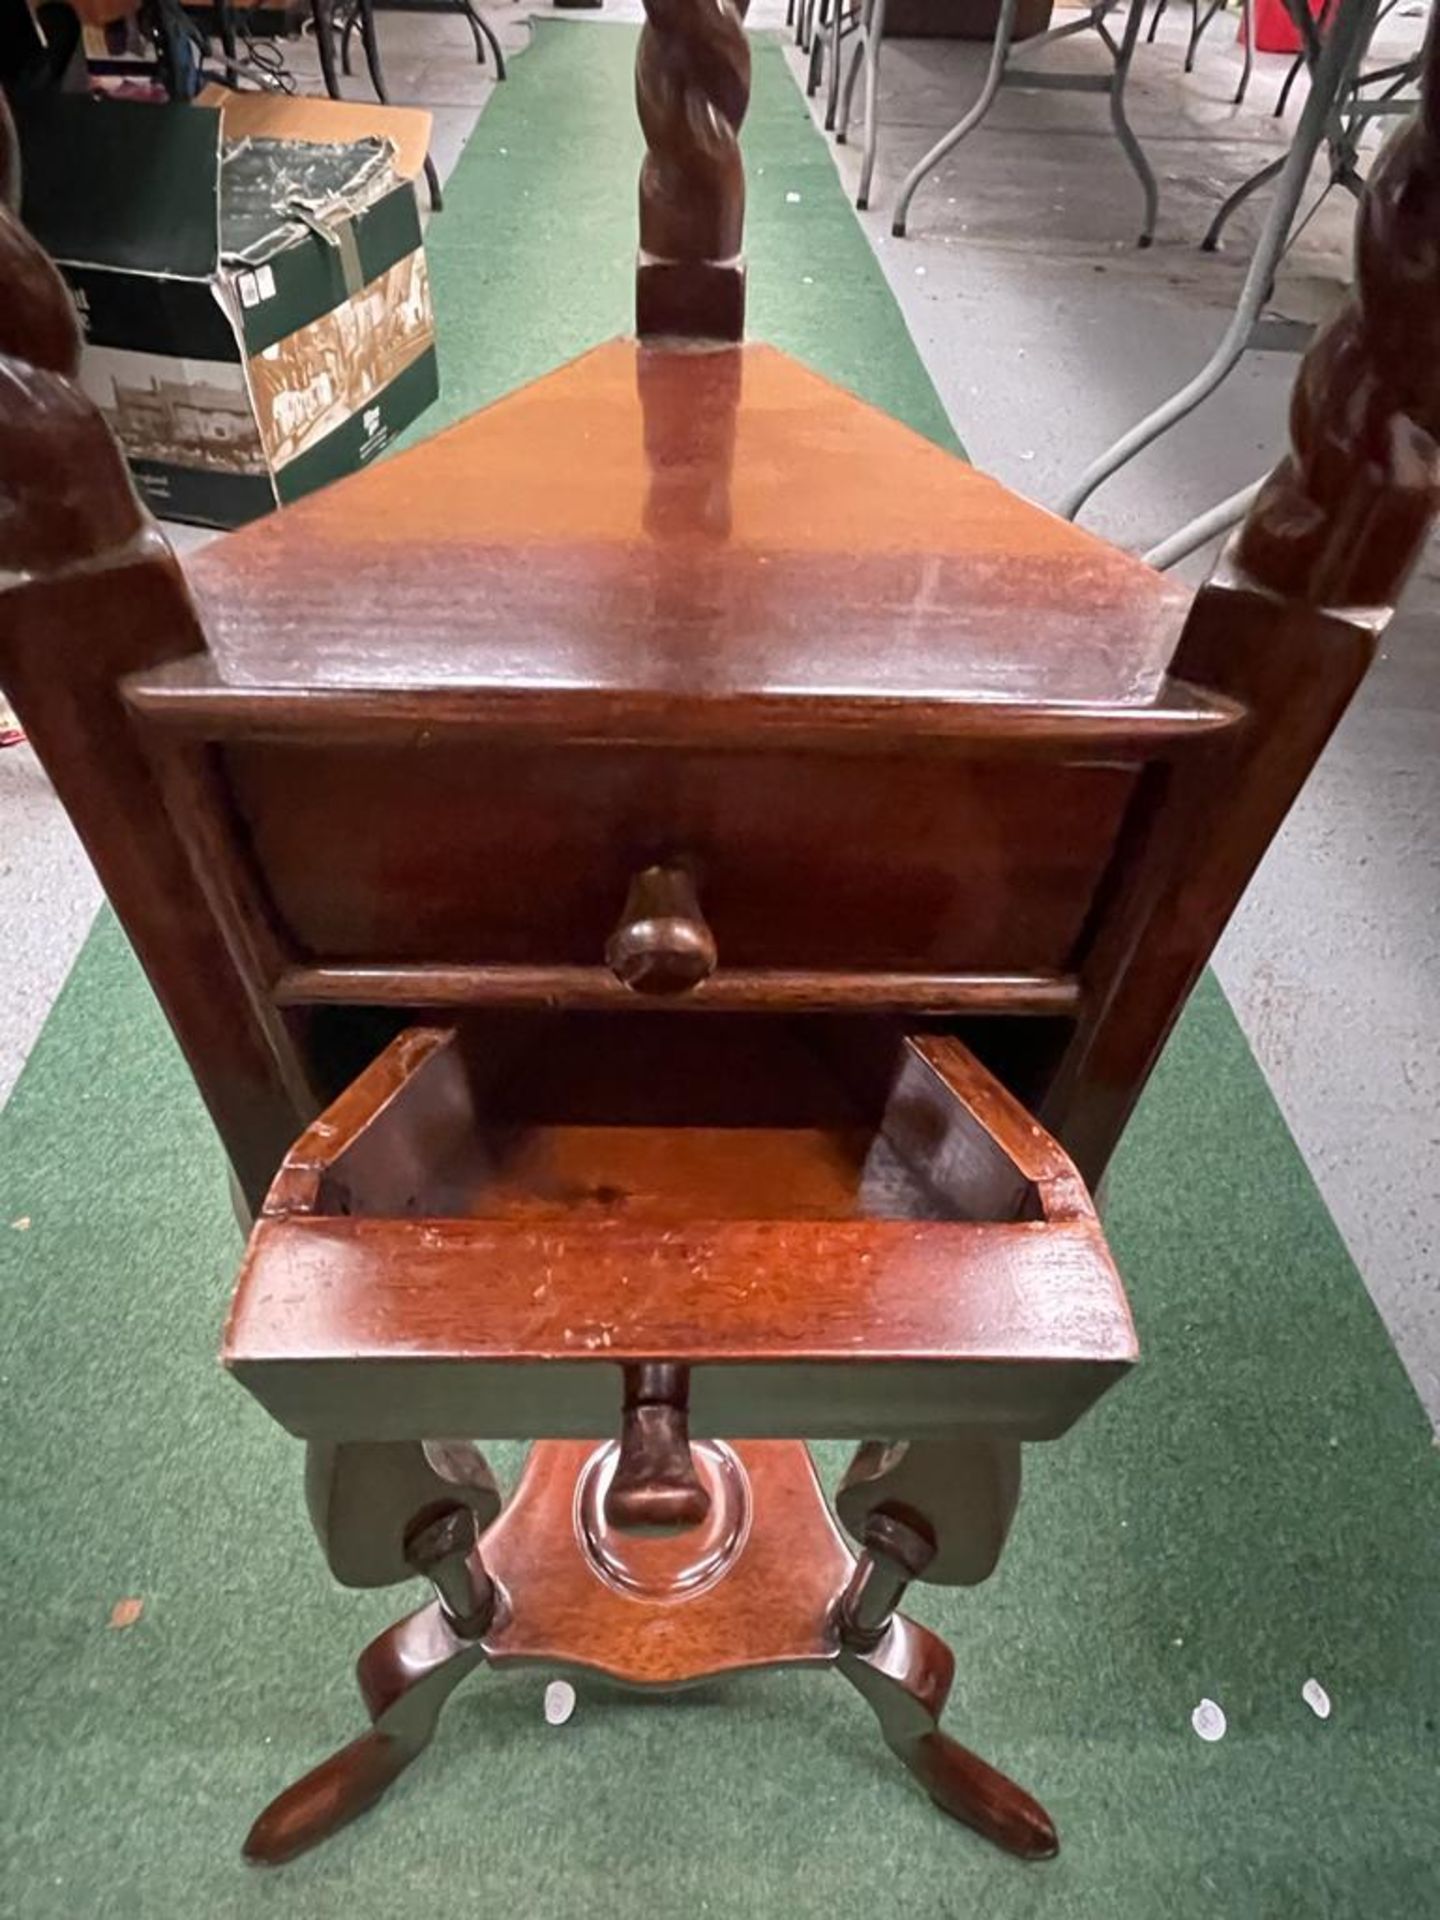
(1275, 31)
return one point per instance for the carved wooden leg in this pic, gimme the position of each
(904, 1671)
(406, 1675)
(906, 1678)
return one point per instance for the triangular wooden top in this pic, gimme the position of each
(697, 525)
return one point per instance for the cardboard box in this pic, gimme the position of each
(246, 361)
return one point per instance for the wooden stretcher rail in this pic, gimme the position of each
(733, 990)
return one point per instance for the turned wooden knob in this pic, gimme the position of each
(655, 1488)
(662, 944)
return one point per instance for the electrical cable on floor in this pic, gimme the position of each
(261, 64)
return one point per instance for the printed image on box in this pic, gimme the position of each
(184, 413)
(315, 379)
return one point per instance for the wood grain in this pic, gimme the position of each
(737, 990)
(404, 856)
(655, 1621)
(816, 1276)
(772, 1607)
(189, 697)
(937, 586)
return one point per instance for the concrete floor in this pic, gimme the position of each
(1047, 334)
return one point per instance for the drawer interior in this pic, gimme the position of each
(651, 1118)
(838, 1231)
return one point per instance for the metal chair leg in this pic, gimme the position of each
(1247, 19)
(1297, 67)
(229, 42)
(832, 93)
(483, 35)
(852, 75)
(472, 20)
(369, 39)
(1198, 24)
(322, 18)
(819, 21)
(875, 40)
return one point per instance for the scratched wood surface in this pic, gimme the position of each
(759, 533)
(820, 1267)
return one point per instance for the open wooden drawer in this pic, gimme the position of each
(835, 1246)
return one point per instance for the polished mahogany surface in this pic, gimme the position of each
(454, 1238)
(443, 852)
(694, 526)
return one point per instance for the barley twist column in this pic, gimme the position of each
(692, 86)
(1342, 518)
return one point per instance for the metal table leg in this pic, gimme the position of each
(999, 50)
(997, 75)
(1124, 133)
(1237, 199)
(1344, 46)
(1343, 171)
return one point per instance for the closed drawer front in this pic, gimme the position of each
(473, 854)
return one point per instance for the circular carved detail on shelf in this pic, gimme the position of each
(659, 1566)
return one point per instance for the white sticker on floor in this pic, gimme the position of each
(1316, 1698)
(559, 1702)
(1208, 1720)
